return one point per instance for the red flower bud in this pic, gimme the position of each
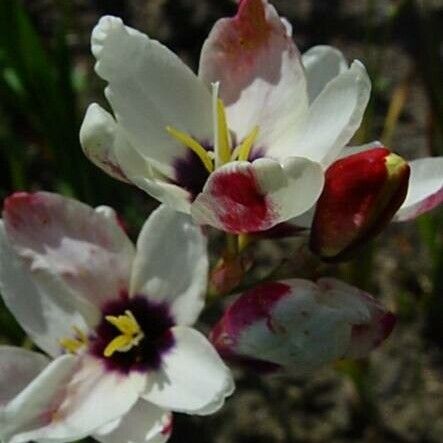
(362, 193)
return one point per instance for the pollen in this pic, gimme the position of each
(131, 333)
(224, 152)
(73, 345)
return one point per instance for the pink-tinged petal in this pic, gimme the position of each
(98, 137)
(46, 311)
(171, 264)
(62, 240)
(252, 307)
(299, 325)
(242, 197)
(144, 423)
(193, 378)
(425, 190)
(322, 64)
(369, 335)
(261, 77)
(334, 116)
(70, 399)
(31, 408)
(18, 367)
(150, 88)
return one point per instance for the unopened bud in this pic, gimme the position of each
(362, 193)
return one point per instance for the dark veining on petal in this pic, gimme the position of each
(154, 319)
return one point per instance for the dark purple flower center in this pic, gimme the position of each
(190, 173)
(155, 322)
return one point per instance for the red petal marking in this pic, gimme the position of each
(252, 29)
(15, 208)
(252, 306)
(167, 427)
(377, 331)
(347, 208)
(242, 205)
(245, 47)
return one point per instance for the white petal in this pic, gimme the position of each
(302, 331)
(32, 407)
(193, 379)
(334, 116)
(149, 89)
(262, 81)
(105, 144)
(142, 174)
(98, 140)
(18, 367)
(67, 242)
(171, 264)
(46, 312)
(322, 63)
(244, 197)
(70, 400)
(144, 423)
(425, 190)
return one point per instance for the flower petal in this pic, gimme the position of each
(69, 400)
(47, 312)
(368, 334)
(98, 137)
(144, 423)
(322, 63)
(68, 242)
(18, 367)
(193, 379)
(425, 190)
(150, 88)
(106, 146)
(298, 324)
(171, 264)
(261, 77)
(243, 197)
(334, 116)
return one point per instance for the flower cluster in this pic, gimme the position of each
(255, 146)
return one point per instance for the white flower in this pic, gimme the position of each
(114, 319)
(239, 146)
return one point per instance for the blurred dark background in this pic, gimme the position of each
(46, 82)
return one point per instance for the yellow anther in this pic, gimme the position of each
(72, 345)
(223, 142)
(243, 150)
(131, 333)
(193, 145)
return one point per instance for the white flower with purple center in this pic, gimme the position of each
(240, 146)
(114, 318)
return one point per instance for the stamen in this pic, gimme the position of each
(72, 345)
(193, 145)
(223, 142)
(131, 333)
(242, 151)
